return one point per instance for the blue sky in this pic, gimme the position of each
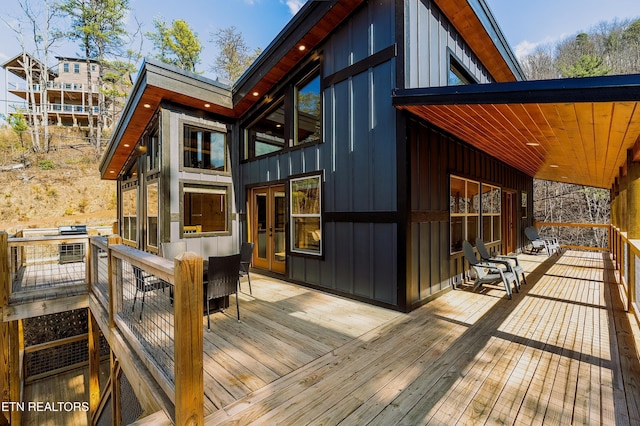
(524, 23)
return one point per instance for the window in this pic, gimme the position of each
(266, 135)
(306, 216)
(458, 75)
(524, 204)
(204, 149)
(76, 68)
(205, 210)
(93, 67)
(153, 151)
(293, 119)
(491, 203)
(65, 67)
(464, 204)
(152, 214)
(308, 114)
(129, 214)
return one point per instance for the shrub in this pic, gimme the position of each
(46, 165)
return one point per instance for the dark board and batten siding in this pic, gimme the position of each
(434, 157)
(357, 157)
(429, 40)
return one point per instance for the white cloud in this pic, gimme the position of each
(295, 5)
(525, 48)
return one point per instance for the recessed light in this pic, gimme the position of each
(564, 177)
(255, 93)
(555, 166)
(207, 105)
(533, 144)
(147, 105)
(302, 48)
(111, 171)
(278, 125)
(126, 145)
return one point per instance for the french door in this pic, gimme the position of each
(268, 227)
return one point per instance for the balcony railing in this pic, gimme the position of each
(53, 85)
(163, 325)
(59, 109)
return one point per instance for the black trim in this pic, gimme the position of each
(589, 89)
(377, 58)
(361, 217)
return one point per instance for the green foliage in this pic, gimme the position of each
(234, 57)
(46, 165)
(586, 66)
(176, 44)
(18, 124)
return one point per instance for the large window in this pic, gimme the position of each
(458, 74)
(267, 134)
(464, 204)
(152, 214)
(491, 203)
(308, 114)
(205, 210)
(130, 214)
(306, 215)
(204, 149)
(294, 118)
(153, 150)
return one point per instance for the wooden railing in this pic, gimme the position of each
(586, 226)
(167, 338)
(166, 335)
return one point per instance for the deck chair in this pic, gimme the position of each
(512, 262)
(146, 283)
(222, 280)
(538, 243)
(173, 249)
(487, 272)
(246, 253)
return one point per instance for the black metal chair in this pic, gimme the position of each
(246, 253)
(146, 283)
(222, 280)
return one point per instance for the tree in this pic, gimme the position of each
(586, 66)
(19, 125)
(38, 22)
(234, 57)
(176, 44)
(98, 26)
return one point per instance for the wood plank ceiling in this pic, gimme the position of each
(571, 130)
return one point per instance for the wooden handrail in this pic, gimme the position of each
(572, 225)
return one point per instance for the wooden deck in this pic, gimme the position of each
(561, 352)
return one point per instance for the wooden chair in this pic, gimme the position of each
(146, 283)
(487, 272)
(246, 253)
(222, 280)
(538, 243)
(511, 262)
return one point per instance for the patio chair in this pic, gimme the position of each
(146, 283)
(487, 272)
(538, 243)
(512, 262)
(246, 253)
(222, 280)
(173, 249)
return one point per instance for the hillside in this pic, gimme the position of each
(62, 187)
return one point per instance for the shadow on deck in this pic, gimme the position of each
(560, 352)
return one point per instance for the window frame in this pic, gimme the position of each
(494, 213)
(65, 67)
(76, 68)
(455, 66)
(292, 216)
(464, 215)
(127, 230)
(152, 182)
(208, 127)
(287, 94)
(206, 187)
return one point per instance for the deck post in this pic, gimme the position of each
(188, 340)
(94, 364)
(112, 240)
(15, 378)
(5, 283)
(633, 217)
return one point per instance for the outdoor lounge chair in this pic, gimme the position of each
(487, 272)
(538, 243)
(246, 253)
(222, 280)
(512, 262)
